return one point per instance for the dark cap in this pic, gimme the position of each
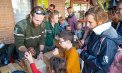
(38, 10)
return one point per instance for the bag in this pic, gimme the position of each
(116, 66)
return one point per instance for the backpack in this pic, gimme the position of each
(116, 66)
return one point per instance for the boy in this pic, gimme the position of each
(63, 23)
(71, 54)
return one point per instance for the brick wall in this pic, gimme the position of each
(6, 21)
(60, 6)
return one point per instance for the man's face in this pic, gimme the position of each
(51, 9)
(70, 11)
(37, 19)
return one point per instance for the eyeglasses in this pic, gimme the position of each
(60, 42)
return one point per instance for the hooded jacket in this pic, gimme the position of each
(100, 54)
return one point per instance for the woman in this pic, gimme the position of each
(52, 30)
(102, 43)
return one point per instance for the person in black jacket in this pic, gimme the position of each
(102, 42)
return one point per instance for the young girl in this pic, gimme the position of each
(101, 48)
(52, 29)
(57, 64)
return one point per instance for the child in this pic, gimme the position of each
(72, 20)
(71, 54)
(79, 31)
(63, 23)
(57, 64)
(68, 29)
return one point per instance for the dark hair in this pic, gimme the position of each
(52, 5)
(69, 8)
(66, 35)
(58, 64)
(99, 14)
(52, 14)
(37, 10)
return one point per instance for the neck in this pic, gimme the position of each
(52, 23)
(69, 46)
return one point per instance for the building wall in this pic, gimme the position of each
(60, 6)
(6, 22)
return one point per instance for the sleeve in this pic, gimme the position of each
(104, 58)
(19, 36)
(70, 60)
(57, 31)
(33, 68)
(75, 21)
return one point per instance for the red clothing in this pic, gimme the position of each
(33, 68)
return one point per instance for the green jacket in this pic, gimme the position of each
(51, 33)
(26, 35)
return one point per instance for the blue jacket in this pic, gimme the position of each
(98, 59)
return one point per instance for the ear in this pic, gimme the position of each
(30, 16)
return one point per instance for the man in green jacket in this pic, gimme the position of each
(30, 33)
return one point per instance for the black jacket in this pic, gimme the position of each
(98, 59)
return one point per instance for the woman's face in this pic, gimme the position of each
(55, 18)
(91, 21)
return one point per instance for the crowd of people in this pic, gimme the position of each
(95, 45)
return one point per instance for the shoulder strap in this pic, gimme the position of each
(101, 41)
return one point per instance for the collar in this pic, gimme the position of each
(99, 29)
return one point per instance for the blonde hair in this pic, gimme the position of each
(99, 14)
(51, 15)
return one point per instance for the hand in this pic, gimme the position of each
(56, 37)
(56, 51)
(22, 48)
(28, 56)
(40, 56)
(81, 43)
(41, 47)
(32, 51)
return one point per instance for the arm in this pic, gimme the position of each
(28, 56)
(42, 39)
(104, 58)
(75, 22)
(19, 38)
(33, 68)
